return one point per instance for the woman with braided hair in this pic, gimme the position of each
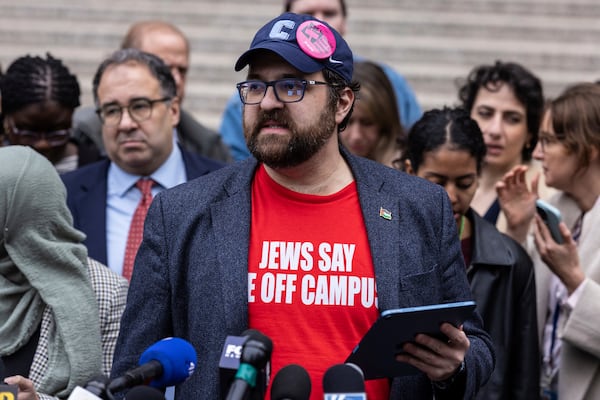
(39, 96)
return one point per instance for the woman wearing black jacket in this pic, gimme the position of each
(446, 147)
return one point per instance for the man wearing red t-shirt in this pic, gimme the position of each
(303, 242)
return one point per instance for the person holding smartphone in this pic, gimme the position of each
(567, 274)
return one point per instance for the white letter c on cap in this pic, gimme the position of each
(277, 32)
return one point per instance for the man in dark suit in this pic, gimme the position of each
(135, 95)
(303, 242)
(171, 45)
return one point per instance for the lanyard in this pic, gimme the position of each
(554, 329)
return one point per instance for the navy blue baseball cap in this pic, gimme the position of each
(305, 42)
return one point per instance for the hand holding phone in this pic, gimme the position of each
(551, 217)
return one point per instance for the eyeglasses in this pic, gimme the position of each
(139, 110)
(286, 90)
(30, 138)
(546, 140)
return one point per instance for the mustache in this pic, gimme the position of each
(278, 116)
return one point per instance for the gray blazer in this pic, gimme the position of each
(190, 277)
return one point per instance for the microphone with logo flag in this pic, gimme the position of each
(230, 362)
(255, 355)
(292, 382)
(344, 382)
(167, 362)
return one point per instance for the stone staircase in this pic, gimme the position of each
(431, 42)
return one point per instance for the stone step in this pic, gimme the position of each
(191, 8)
(431, 42)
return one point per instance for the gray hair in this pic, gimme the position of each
(157, 68)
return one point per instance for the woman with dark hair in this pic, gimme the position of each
(507, 102)
(374, 129)
(446, 147)
(567, 273)
(39, 96)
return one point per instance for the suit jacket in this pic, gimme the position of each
(111, 293)
(579, 370)
(191, 273)
(86, 198)
(192, 135)
(503, 284)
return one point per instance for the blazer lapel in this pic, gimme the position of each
(382, 219)
(231, 221)
(92, 212)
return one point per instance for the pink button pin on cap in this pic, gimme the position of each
(315, 39)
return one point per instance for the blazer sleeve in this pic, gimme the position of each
(147, 316)
(581, 328)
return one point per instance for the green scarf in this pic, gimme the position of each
(43, 262)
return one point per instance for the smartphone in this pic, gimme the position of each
(551, 216)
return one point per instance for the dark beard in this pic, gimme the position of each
(279, 151)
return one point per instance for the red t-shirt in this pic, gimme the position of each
(311, 284)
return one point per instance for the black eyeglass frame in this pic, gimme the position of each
(150, 103)
(303, 82)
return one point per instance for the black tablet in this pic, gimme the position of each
(377, 350)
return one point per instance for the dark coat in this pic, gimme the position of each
(86, 197)
(502, 281)
(191, 273)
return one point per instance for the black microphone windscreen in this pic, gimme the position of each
(257, 350)
(343, 378)
(144, 393)
(292, 382)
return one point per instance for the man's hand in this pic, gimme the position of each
(439, 360)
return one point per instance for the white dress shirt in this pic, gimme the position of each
(123, 198)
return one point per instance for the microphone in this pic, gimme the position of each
(255, 354)
(344, 381)
(230, 362)
(9, 391)
(292, 382)
(144, 393)
(168, 362)
(95, 389)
